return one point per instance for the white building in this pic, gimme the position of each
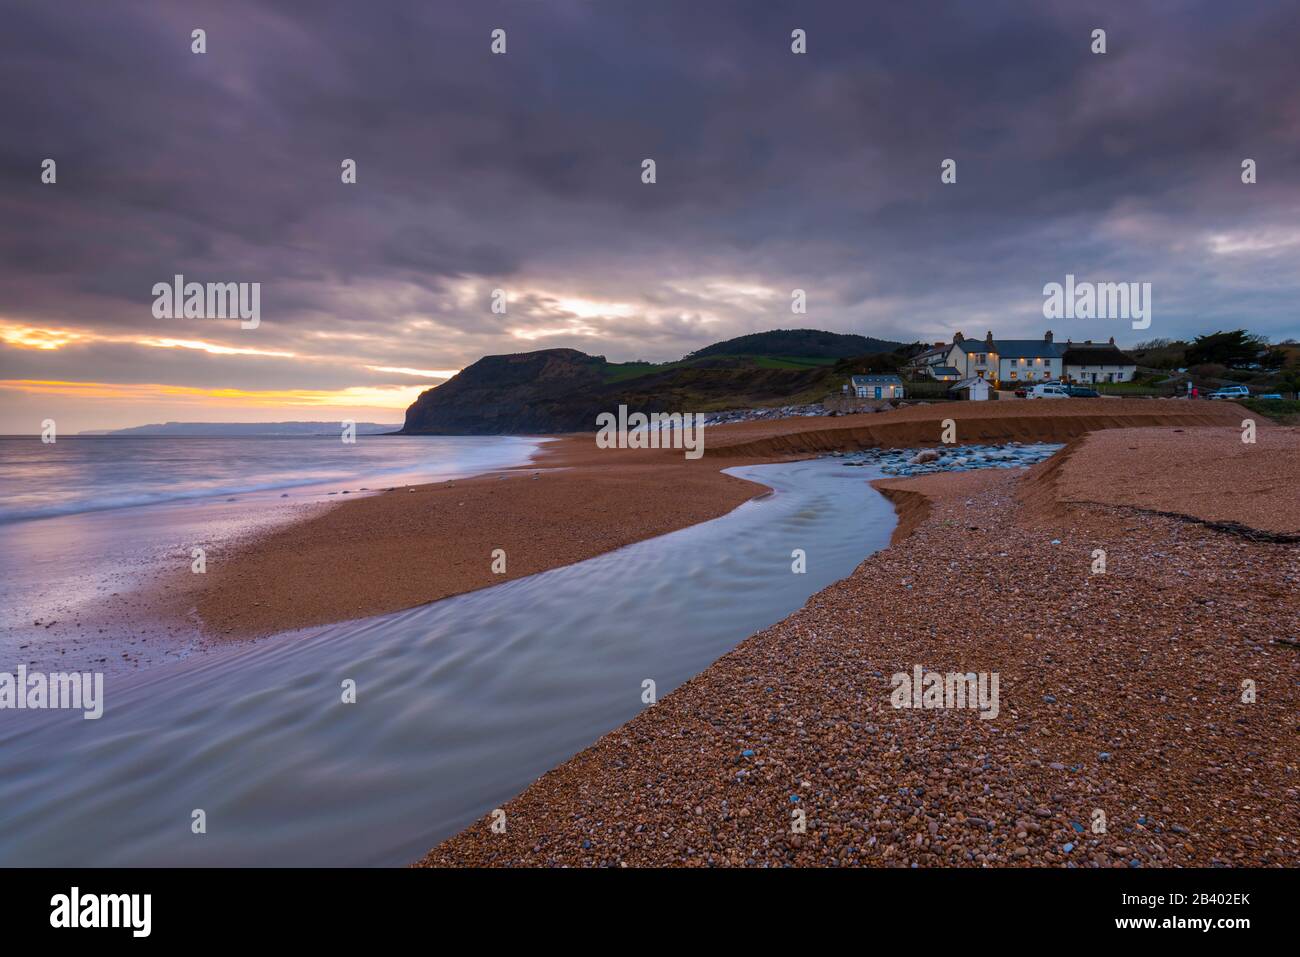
(932, 364)
(877, 386)
(1010, 363)
(975, 389)
(1097, 362)
(1007, 361)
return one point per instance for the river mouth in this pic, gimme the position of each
(107, 518)
(460, 704)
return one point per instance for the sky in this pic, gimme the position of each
(522, 172)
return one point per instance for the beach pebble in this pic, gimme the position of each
(1143, 659)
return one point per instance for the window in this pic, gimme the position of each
(1013, 373)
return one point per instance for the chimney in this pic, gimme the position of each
(1047, 337)
(958, 337)
(1112, 340)
(940, 345)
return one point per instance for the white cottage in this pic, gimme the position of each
(877, 386)
(1098, 362)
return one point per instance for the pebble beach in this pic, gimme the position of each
(415, 544)
(1147, 705)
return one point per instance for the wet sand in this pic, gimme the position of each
(414, 545)
(1122, 738)
(395, 550)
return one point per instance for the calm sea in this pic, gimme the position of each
(83, 474)
(85, 519)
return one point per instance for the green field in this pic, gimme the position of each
(624, 371)
(791, 362)
(620, 371)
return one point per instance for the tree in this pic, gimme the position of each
(1273, 358)
(1224, 348)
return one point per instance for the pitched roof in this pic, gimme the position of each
(930, 353)
(1097, 355)
(1015, 348)
(945, 370)
(876, 380)
(1028, 349)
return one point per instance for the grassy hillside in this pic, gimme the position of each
(562, 390)
(803, 343)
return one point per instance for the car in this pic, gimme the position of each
(1022, 392)
(1048, 390)
(1230, 392)
(1081, 391)
(1270, 395)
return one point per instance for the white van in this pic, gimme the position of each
(1048, 390)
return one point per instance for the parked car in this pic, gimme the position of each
(1081, 391)
(1270, 395)
(1048, 390)
(1231, 392)
(1025, 391)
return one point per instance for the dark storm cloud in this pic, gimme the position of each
(817, 171)
(125, 363)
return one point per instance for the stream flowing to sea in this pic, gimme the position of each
(86, 518)
(460, 704)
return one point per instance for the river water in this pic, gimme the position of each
(460, 704)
